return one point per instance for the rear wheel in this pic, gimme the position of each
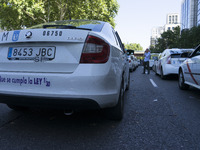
(116, 113)
(181, 81)
(162, 75)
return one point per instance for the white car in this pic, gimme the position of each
(189, 71)
(133, 63)
(169, 61)
(75, 64)
(151, 63)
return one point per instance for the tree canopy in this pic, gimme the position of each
(168, 39)
(15, 14)
(187, 38)
(133, 46)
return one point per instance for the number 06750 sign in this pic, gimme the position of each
(30, 53)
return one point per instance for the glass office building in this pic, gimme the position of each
(189, 13)
(198, 13)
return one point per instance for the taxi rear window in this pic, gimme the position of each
(79, 24)
(175, 55)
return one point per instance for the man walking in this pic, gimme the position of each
(147, 56)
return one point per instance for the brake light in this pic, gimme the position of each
(95, 50)
(129, 61)
(169, 60)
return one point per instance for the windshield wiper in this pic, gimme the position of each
(64, 27)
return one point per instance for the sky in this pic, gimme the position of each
(136, 18)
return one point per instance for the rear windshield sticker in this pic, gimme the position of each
(26, 81)
(15, 36)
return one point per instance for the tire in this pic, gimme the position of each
(17, 108)
(131, 70)
(162, 75)
(116, 112)
(181, 81)
(128, 85)
(156, 73)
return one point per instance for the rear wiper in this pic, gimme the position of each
(64, 27)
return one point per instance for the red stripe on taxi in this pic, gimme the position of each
(191, 73)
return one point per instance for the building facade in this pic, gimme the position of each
(189, 11)
(198, 12)
(172, 21)
(155, 34)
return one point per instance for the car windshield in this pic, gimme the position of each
(73, 24)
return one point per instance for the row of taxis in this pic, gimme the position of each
(182, 62)
(189, 71)
(133, 62)
(70, 65)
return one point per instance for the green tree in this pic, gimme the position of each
(15, 14)
(168, 39)
(133, 46)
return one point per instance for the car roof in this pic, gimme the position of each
(93, 25)
(176, 50)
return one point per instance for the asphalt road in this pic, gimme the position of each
(157, 116)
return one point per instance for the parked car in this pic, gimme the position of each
(133, 63)
(151, 63)
(189, 71)
(169, 61)
(130, 52)
(154, 57)
(70, 65)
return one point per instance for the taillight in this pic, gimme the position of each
(95, 50)
(129, 61)
(169, 60)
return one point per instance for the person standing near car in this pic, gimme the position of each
(147, 56)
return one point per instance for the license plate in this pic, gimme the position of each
(31, 53)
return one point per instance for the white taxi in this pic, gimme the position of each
(189, 71)
(169, 61)
(75, 64)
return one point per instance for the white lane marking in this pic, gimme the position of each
(153, 83)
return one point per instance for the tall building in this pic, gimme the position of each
(198, 12)
(173, 20)
(155, 34)
(189, 10)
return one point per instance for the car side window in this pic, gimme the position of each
(196, 53)
(115, 37)
(120, 42)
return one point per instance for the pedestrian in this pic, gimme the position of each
(147, 56)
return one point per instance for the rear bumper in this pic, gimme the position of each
(86, 86)
(170, 69)
(49, 102)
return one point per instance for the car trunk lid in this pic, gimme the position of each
(41, 50)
